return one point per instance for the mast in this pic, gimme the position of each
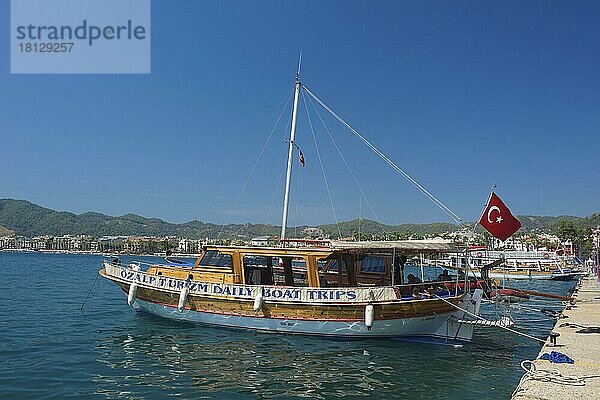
(288, 177)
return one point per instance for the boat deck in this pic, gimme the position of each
(583, 348)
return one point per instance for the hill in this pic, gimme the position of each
(28, 219)
(370, 227)
(5, 232)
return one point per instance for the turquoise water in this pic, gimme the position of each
(49, 349)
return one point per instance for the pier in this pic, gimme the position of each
(581, 379)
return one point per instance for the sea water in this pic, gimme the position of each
(50, 349)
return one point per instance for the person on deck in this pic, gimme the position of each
(444, 276)
(398, 277)
(413, 279)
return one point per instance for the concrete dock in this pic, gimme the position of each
(580, 380)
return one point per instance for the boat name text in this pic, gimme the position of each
(239, 290)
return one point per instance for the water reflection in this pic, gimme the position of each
(186, 360)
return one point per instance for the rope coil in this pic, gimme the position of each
(548, 375)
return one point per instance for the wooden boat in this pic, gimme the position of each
(240, 287)
(509, 295)
(345, 289)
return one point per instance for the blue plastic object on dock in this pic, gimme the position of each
(557, 357)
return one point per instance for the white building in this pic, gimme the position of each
(260, 241)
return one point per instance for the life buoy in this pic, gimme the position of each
(369, 316)
(258, 302)
(131, 295)
(478, 254)
(183, 295)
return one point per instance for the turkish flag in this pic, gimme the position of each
(498, 220)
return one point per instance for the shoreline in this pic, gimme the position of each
(86, 252)
(555, 381)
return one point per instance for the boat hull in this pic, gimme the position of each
(431, 320)
(529, 274)
(442, 328)
(509, 295)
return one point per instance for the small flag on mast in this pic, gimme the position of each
(498, 220)
(301, 157)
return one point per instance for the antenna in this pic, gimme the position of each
(299, 65)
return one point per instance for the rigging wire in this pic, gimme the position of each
(435, 200)
(276, 190)
(239, 195)
(347, 165)
(282, 171)
(296, 201)
(337, 223)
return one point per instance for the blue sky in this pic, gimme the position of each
(462, 95)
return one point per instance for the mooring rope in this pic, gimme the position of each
(89, 293)
(548, 375)
(483, 319)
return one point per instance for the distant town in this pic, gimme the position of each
(585, 247)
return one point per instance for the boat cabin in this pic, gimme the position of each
(341, 264)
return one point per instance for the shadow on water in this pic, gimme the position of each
(52, 350)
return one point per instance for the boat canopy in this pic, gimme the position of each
(275, 251)
(423, 246)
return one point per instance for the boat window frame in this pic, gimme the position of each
(215, 268)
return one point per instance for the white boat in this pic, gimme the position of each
(517, 264)
(344, 289)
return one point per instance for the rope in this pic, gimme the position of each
(577, 326)
(322, 169)
(483, 210)
(282, 170)
(435, 200)
(500, 326)
(347, 166)
(549, 375)
(89, 292)
(239, 195)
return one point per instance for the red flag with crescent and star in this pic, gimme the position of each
(498, 220)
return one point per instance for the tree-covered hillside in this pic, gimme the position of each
(28, 219)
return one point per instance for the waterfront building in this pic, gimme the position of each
(260, 241)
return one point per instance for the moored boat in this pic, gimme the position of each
(516, 264)
(336, 289)
(257, 288)
(509, 295)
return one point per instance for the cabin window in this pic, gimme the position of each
(331, 276)
(265, 270)
(258, 270)
(295, 275)
(215, 259)
(333, 267)
(372, 264)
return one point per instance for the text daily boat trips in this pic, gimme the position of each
(348, 289)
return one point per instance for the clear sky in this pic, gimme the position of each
(461, 94)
